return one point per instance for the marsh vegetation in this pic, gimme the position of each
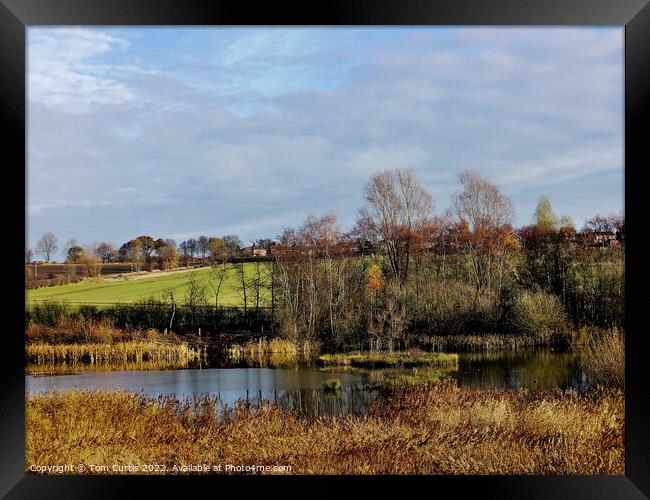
(421, 429)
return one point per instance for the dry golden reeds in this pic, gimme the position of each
(603, 358)
(273, 353)
(425, 429)
(105, 353)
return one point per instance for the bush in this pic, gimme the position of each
(47, 313)
(539, 315)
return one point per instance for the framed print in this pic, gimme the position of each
(365, 243)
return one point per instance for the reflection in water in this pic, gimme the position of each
(300, 386)
(530, 369)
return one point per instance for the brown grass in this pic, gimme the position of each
(431, 429)
(116, 353)
(270, 353)
(603, 358)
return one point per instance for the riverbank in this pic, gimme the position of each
(428, 429)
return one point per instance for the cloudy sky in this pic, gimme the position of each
(178, 132)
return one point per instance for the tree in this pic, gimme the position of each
(192, 247)
(195, 296)
(72, 242)
(484, 229)
(217, 248)
(47, 246)
(203, 245)
(147, 246)
(219, 273)
(233, 243)
(609, 224)
(106, 252)
(131, 251)
(481, 203)
(75, 254)
(265, 243)
(544, 218)
(397, 207)
(29, 255)
(566, 222)
(242, 284)
(167, 253)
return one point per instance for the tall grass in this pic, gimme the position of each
(423, 429)
(273, 352)
(103, 353)
(603, 358)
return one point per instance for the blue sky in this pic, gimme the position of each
(178, 132)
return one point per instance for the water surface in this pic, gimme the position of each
(301, 386)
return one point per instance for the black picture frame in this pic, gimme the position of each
(634, 15)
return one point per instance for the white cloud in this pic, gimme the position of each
(64, 73)
(533, 110)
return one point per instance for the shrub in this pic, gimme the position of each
(47, 313)
(539, 315)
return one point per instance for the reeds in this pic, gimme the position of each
(387, 359)
(271, 353)
(42, 353)
(477, 342)
(424, 429)
(603, 358)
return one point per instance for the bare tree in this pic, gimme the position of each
(605, 224)
(397, 208)
(106, 252)
(481, 203)
(203, 245)
(219, 273)
(233, 243)
(485, 218)
(195, 295)
(29, 255)
(242, 283)
(47, 246)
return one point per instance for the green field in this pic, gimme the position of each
(158, 287)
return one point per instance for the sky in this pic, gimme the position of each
(178, 132)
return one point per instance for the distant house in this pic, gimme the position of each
(605, 238)
(255, 251)
(259, 252)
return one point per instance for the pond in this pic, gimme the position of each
(300, 386)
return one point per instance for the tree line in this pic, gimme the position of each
(467, 270)
(404, 270)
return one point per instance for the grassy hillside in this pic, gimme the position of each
(133, 290)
